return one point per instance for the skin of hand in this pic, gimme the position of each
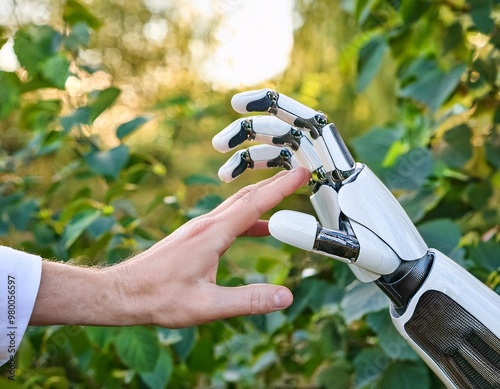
(172, 284)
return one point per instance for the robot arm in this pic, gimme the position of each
(449, 317)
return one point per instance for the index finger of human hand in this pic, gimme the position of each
(247, 205)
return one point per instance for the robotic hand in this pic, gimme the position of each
(448, 317)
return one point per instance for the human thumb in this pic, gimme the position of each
(251, 299)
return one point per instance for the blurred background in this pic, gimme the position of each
(107, 111)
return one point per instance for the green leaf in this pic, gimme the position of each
(201, 179)
(202, 357)
(3, 37)
(78, 37)
(418, 203)
(137, 348)
(56, 70)
(481, 11)
(81, 347)
(108, 163)
(21, 214)
(493, 146)
(301, 298)
(79, 116)
(408, 375)
(454, 39)
(274, 321)
(371, 148)
(129, 127)
(204, 205)
(486, 255)
(363, 9)
(101, 100)
(336, 376)
(264, 362)
(100, 336)
(433, 86)
(75, 12)
(410, 170)
(10, 96)
(187, 342)
(100, 226)
(369, 364)
(77, 225)
(413, 10)
(495, 38)
(389, 338)
(441, 234)
(369, 60)
(477, 194)
(34, 45)
(311, 293)
(39, 115)
(360, 299)
(159, 377)
(456, 148)
(51, 142)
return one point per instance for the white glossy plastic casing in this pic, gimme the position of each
(307, 156)
(454, 281)
(386, 218)
(265, 128)
(326, 204)
(300, 230)
(334, 149)
(374, 255)
(294, 228)
(240, 101)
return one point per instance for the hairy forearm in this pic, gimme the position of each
(76, 295)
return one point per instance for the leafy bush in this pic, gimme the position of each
(70, 193)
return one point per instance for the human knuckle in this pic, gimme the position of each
(247, 194)
(199, 226)
(258, 302)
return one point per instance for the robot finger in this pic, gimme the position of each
(329, 145)
(262, 129)
(274, 132)
(257, 157)
(283, 107)
(358, 247)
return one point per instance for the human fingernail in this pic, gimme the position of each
(282, 298)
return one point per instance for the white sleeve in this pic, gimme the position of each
(20, 275)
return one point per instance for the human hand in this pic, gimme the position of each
(172, 284)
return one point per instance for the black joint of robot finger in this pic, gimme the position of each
(288, 139)
(246, 133)
(283, 160)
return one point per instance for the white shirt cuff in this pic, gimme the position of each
(20, 275)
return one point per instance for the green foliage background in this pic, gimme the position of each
(95, 172)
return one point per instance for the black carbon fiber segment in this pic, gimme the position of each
(238, 139)
(405, 281)
(465, 350)
(261, 105)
